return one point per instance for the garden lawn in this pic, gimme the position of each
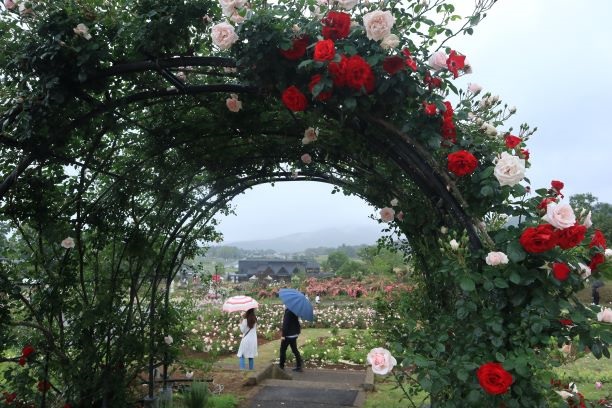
(585, 371)
(268, 352)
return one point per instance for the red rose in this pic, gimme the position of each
(433, 82)
(393, 64)
(336, 25)
(294, 99)
(430, 109)
(544, 203)
(27, 350)
(538, 239)
(448, 112)
(337, 71)
(462, 163)
(43, 386)
(560, 271)
(297, 50)
(8, 398)
(493, 378)
(566, 322)
(570, 237)
(455, 62)
(358, 74)
(512, 141)
(596, 260)
(323, 95)
(598, 240)
(557, 185)
(22, 361)
(525, 154)
(409, 61)
(324, 50)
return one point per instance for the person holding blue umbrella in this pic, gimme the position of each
(296, 304)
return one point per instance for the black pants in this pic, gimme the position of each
(595, 294)
(291, 342)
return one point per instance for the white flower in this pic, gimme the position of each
(310, 135)
(381, 360)
(189, 374)
(306, 158)
(454, 244)
(437, 61)
(233, 104)
(181, 76)
(509, 170)
(168, 339)
(587, 221)
(489, 129)
(474, 88)
(560, 216)
(378, 24)
(387, 214)
(82, 30)
(394, 202)
(223, 35)
(586, 271)
(605, 315)
(347, 4)
(67, 243)
(496, 258)
(512, 109)
(390, 41)
(564, 394)
(608, 253)
(443, 230)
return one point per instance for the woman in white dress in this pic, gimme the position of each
(248, 344)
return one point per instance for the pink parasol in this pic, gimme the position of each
(239, 304)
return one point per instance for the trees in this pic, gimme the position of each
(601, 212)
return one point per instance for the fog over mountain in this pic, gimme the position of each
(329, 237)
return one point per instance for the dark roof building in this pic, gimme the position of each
(275, 268)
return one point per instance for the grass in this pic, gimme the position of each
(585, 371)
(389, 395)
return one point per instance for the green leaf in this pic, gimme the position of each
(515, 251)
(500, 357)
(350, 103)
(515, 278)
(467, 284)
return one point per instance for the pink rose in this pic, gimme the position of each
(605, 315)
(496, 258)
(598, 385)
(560, 216)
(381, 360)
(387, 214)
(306, 159)
(223, 35)
(233, 104)
(310, 135)
(9, 4)
(474, 88)
(400, 216)
(68, 243)
(82, 31)
(378, 24)
(437, 61)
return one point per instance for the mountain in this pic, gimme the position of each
(329, 237)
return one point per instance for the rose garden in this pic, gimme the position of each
(127, 125)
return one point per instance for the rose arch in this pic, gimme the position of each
(127, 126)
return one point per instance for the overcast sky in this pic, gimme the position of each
(552, 59)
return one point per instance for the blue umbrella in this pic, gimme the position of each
(297, 303)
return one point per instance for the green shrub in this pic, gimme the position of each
(197, 396)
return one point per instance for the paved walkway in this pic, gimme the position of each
(312, 388)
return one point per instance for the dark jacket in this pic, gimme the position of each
(291, 324)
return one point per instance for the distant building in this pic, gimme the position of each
(276, 268)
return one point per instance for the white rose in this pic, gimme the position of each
(587, 221)
(437, 61)
(82, 30)
(68, 243)
(489, 129)
(586, 271)
(443, 230)
(474, 88)
(378, 24)
(608, 253)
(381, 360)
(168, 340)
(387, 214)
(390, 41)
(347, 4)
(223, 35)
(509, 170)
(454, 244)
(310, 135)
(560, 216)
(496, 258)
(512, 109)
(306, 158)
(394, 202)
